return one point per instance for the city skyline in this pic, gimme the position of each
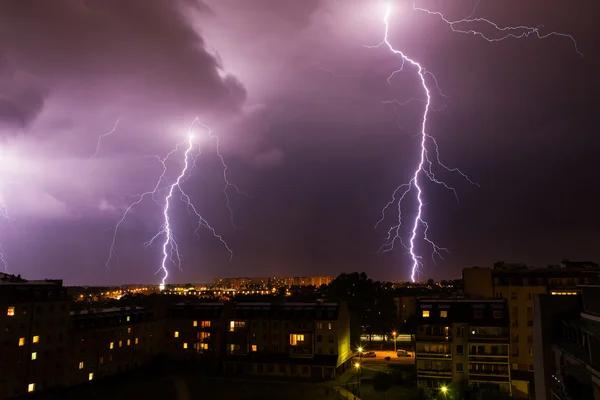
(295, 98)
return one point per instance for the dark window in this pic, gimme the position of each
(459, 349)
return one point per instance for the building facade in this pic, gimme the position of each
(34, 335)
(464, 342)
(568, 354)
(519, 285)
(45, 346)
(302, 340)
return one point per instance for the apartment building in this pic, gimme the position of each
(110, 341)
(567, 362)
(304, 340)
(34, 322)
(195, 331)
(406, 307)
(519, 284)
(462, 341)
(271, 282)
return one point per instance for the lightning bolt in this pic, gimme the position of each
(506, 32)
(419, 227)
(170, 247)
(103, 136)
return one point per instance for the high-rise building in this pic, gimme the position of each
(519, 285)
(462, 341)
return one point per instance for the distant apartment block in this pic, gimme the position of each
(462, 341)
(519, 284)
(270, 282)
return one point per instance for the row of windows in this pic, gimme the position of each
(476, 313)
(11, 310)
(111, 345)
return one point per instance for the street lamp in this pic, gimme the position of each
(394, 333)
(357, 366)
(444, 390)
(360, 351)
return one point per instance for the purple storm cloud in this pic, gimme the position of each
(92, 91)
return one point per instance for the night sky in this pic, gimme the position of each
(296, 99)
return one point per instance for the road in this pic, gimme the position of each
(379, 362)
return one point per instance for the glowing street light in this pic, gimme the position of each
(444, 390)
(394, 333)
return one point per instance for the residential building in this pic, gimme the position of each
(48, 347)
(406, 308)
(519, 284)
(110, 341)
(302, 340)
(463, 341)
(34, 325)
(567, 362)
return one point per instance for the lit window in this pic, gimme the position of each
(120, 343)
(128, 330)
(204, 346)
(128, 342)
(31, 387)
(21, 341)
(101, 361)
(10, 311)
(195, 323)
(206, 324)
(112, 345)
(295, 338)
(185, 345)
(176, 334)
(254, 347)
(425, 313)
(90, 376)
(319, 325)
(34, 355)
(137, 340)
(329, 325)
(128, 319)
(233, 325)
(36, 339)
(444, 314)
(80, 364)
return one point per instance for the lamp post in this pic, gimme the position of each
(360, 351)
(357, 366)
(394, 333)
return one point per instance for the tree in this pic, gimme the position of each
(382, 382)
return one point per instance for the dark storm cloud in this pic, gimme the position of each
(21, 108)
(313, 145)
(145, 45)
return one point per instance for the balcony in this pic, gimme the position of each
(435, 372)
(433, 356)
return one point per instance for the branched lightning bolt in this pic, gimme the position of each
(506, 32)
(424, 168)
(228, 184)
(170, 247)
(103, 136)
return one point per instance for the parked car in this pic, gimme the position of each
(370, 354)
(402, 353)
